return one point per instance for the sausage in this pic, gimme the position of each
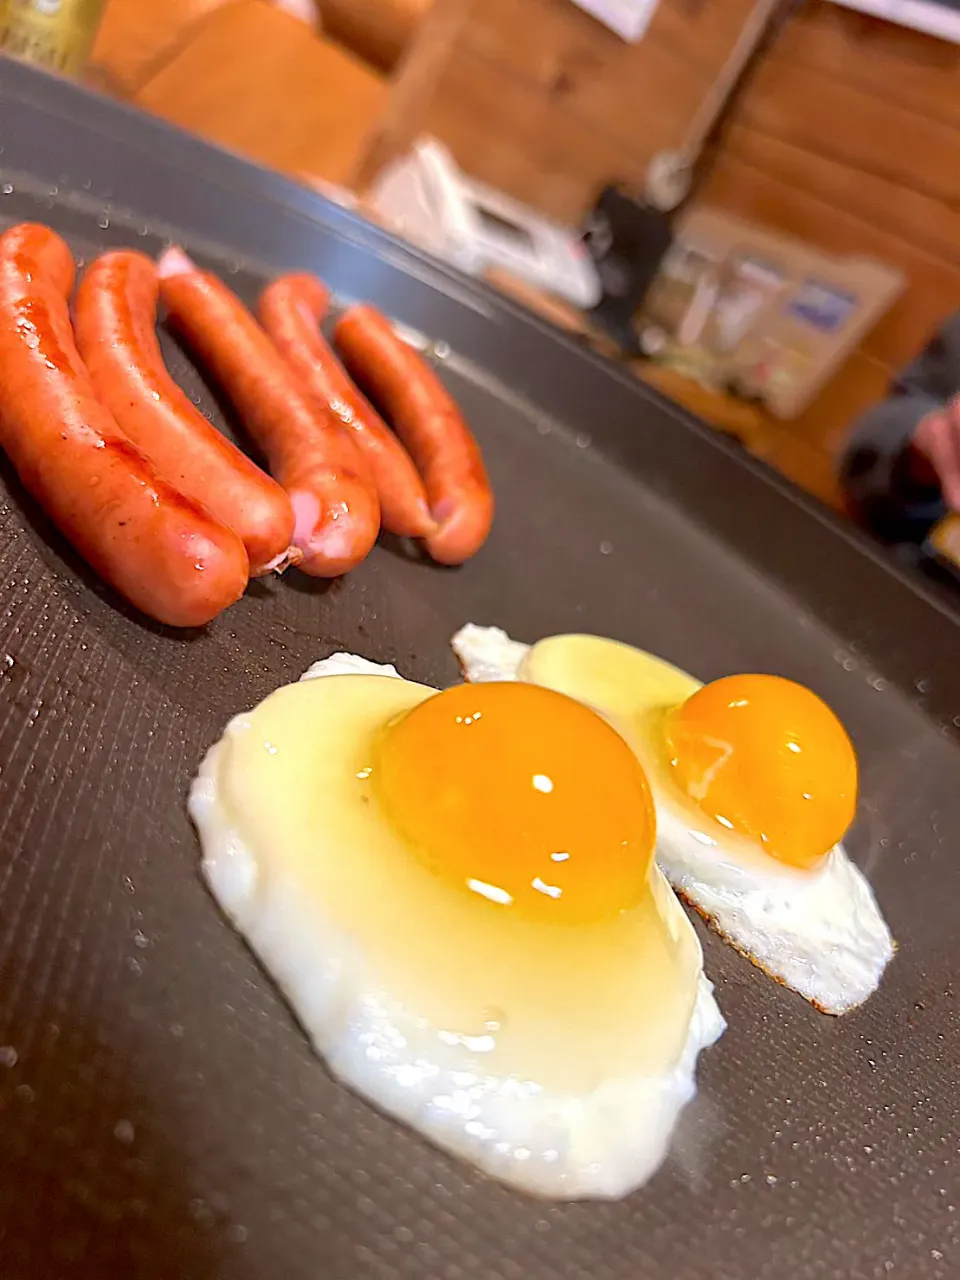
(334, 502)
(114, 319)
(160, 549)
(427, 420)
(291, 310)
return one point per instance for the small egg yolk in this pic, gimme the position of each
(522, 796)
(767, 758)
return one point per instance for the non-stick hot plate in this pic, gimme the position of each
(160, 1112)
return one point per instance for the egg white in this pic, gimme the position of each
(601, 1143)
(819, 932)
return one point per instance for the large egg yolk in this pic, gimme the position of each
(523, 796)
(767, 758)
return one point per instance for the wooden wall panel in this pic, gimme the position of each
(862, 128)
(538, 41)
(700, 32)
(541, 100)
(890, 62)
(578, 64)
(506, 132)
(547, 41)
(378, 31)
(929, 223)
(414, 84)
(849, 135)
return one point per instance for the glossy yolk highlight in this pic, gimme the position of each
(767, 758)
(523, 796)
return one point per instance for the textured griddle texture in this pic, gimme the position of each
(160, 1113)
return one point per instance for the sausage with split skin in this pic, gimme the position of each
(164, 552)
(428, 421)
(115, 317)
(291, 310)
(334, 502)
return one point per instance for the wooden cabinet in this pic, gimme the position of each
(137, 36)
(257, 81)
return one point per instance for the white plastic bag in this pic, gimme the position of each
(305, 10)
(628, 18)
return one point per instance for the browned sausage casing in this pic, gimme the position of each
(334, 502)
(291, 310)
(427, 420)
(161, 550)
(115, 318)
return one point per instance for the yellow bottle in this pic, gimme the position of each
(57, 34)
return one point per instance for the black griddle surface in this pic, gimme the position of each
(160, 1112)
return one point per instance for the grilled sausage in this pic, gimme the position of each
(115, 317)
(427, 420)
(166, 553)
(337, 515)
(291, 310)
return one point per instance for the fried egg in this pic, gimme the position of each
(755, 784)
(457, 895)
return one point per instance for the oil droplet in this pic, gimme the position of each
(124, 1132)
(200, 1211)
(8, 188)
(24, 1093)
(103, 222)
(236, 1233)
(606, 548)
(140, 939)
(582, 440)
(8, 1056)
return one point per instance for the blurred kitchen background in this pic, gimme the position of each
(754, 204)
